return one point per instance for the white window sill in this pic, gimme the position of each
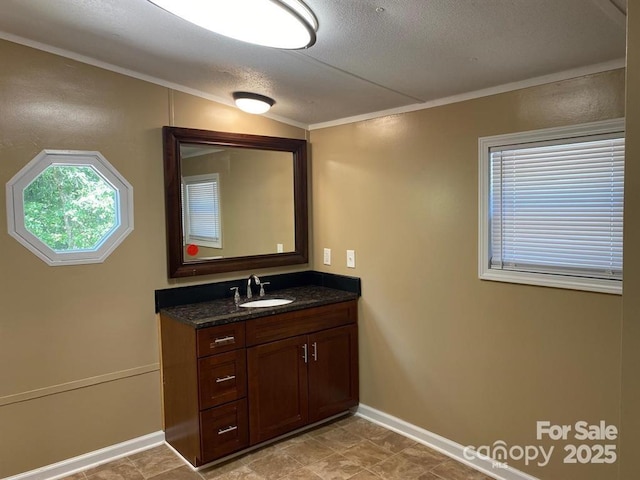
(556, 281)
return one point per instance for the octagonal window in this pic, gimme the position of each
(69, 207)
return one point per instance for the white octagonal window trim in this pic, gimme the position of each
(69, 207)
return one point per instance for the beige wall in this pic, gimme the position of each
(63, 328)
(631, 306)
(474, 361)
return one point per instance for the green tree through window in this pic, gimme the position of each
(70, 208)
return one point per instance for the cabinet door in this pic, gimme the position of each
(333, 371)
(278, 395)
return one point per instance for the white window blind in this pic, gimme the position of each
(201, 211)
(556, 206)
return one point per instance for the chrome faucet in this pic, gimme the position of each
(256, 280)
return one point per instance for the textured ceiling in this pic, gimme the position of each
(370, 56)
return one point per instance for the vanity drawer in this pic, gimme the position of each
(222, 378)
(224, 430)
(222, 338)
(300, 322)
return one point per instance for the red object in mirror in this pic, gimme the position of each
(192, 249)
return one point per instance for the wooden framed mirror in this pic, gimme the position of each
(233, 201)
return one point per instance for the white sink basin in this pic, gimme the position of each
(267, 302)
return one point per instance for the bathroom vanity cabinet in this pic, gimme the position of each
(232, 386)
(302, 367)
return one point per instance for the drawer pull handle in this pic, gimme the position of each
(225, 379)
(231, 428)
(315, 351)
(222, 341)
(305, 355)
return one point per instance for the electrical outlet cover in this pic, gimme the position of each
(351, 258)
(327, 256)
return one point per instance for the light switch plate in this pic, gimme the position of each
(351, 258)
(279, 248)
(327, 256)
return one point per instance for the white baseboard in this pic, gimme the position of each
(92, 459)
(441, 444)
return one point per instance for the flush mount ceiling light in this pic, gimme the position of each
(252, 102)
(287, 24)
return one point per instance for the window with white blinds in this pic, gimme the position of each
(554, 207)
(201, 200)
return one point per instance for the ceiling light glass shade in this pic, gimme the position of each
(252, 102)
(287, 24)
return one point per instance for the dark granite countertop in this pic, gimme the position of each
(224, 311)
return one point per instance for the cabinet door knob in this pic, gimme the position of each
(230, 428)
(315, 351)
(225, 379)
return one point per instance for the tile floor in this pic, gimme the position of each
(351, 448)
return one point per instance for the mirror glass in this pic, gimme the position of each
(233, 201)
(249, 207)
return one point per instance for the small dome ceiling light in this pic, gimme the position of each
(287, 24)
(252, 102)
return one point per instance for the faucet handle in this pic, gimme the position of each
(262, 287)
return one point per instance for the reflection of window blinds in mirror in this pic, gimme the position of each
(202, 210)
